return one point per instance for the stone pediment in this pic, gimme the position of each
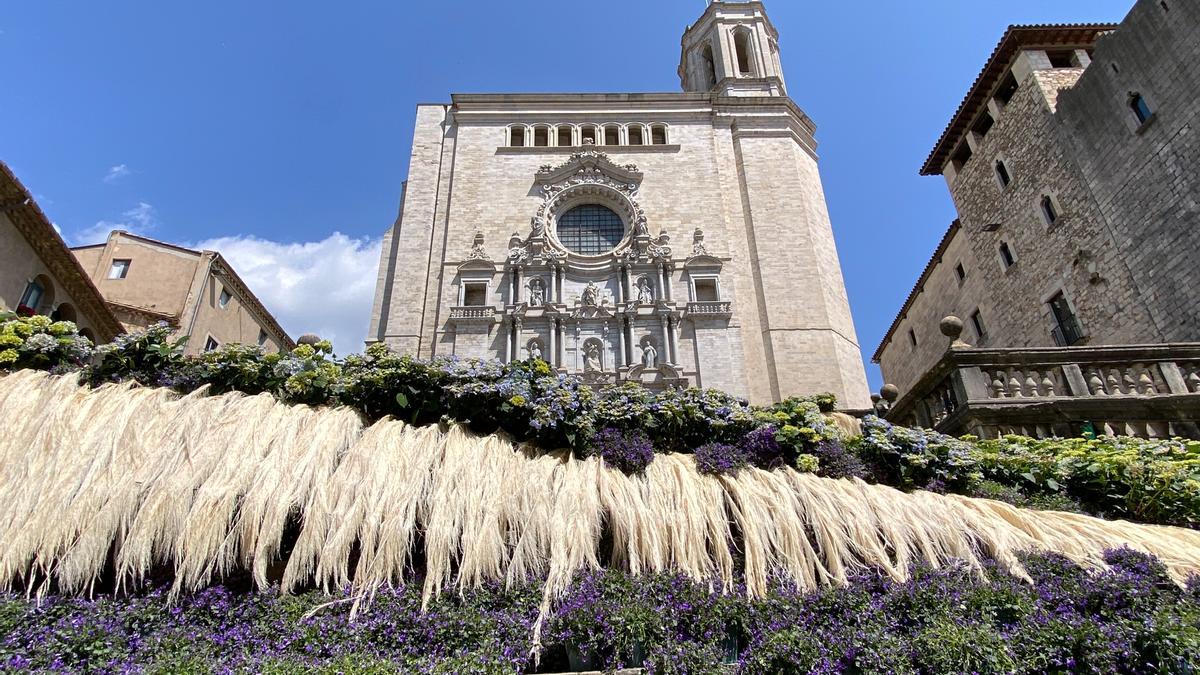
(588, 162)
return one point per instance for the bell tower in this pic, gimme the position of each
(732, 49)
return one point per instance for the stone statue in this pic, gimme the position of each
(591, 295)
(649, 356)
(537, 293)
(535, 350)
(591, 358)
(645, 292)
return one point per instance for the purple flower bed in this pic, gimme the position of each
(629, 451)
(720, 458)
(1128, 619)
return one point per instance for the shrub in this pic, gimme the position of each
(629, 451)
(719, 459)
(37, 342)
(953, 647)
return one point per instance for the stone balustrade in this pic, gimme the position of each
(473, 314)
(709, 309)
(1138, 390)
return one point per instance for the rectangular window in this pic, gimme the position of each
(612, 136)
(1006, 90)
(977, 322)
(658, 136)
(262, 338)
(1062, 59)
(706, 290)
(210, 344)
(1006, 255)
(31, 298)
(961, 155)
(1141, 109)
(1067, 330)
(984, 124)
(635, 135)
(475, 295)
(225, 298)
(119, 269)
(912, 338)
(564, 137)
(960, 272)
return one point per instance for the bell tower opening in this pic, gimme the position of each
(732, 49)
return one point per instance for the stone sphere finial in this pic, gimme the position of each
(889, 392)
(308, 339)
(951, 327)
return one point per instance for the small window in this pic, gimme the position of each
(119, 269)
(1141, 109)
(516, 137)
(706, 290)
(1008, 87)
(541, 137)
(1006, 255)
(612, 136)
(31, 297)
(960, 272)
(226, 296)
(635, 135)
(210, 344)
(587, 135)
(977, 323)
(262, 338)
(475, 295)
(1002, 174)
(912, 338)
(658, 135)
(1066, 330)
(1049, 212)
(564, 137)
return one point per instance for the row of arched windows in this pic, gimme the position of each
(575, 135)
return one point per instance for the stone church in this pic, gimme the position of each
(671, 239)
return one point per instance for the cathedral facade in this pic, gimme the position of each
(671, 239)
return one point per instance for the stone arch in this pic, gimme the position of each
(593, 356)
(708, 66)
(515, 136)
(743, 52)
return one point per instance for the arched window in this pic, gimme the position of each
(1002, 174)
(541, 136)
(38, 297)
(587, 135)
(634, 133)
(87, 333)
(658, 134)
(64, 312)
(1049, 210)
(708, 67)
(741, 46)
(565, 139)
(1141, 109)
(612, 135)
(590, 229)
(516, 136)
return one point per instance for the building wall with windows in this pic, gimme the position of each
(1083, 228)
(146, 281)
(721, 273)
(37, 272)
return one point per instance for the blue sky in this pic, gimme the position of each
(279, 132)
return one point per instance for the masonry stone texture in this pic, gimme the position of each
(726, 274)
(1116, 258)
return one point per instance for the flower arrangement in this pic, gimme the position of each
(36, 341)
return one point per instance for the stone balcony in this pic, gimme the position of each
(1149, 391)
(473, 314)
(713, 309)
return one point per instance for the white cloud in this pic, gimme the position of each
(138, 220)
(324, 287)
(116, 173)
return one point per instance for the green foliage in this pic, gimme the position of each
(952, 647)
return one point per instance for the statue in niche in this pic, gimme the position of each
(645, 292)
(649, 356)
(591, 295)
(537, 292)
(591, 358)
(535, 350)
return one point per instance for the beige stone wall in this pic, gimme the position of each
(751, 186)
(19, 265)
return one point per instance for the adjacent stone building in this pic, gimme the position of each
(1072, 164)
(1074, 263)
(664, 238)
(38, 274)
(145, 281)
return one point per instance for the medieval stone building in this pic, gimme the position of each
(1072, 165)
(663, 238)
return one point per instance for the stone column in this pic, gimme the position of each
(622, 346)
(628, 330)
(517, 338)
(664, 282)
(672, 326)
(665, 320)
(516, 285)
(552, 352)
(508, 342)
(558, 274)
(625, 288)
